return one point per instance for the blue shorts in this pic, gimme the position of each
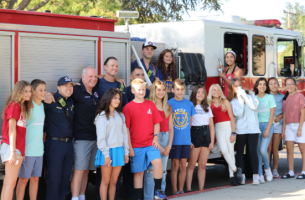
(180, 151)
(143, 156)
(31, 167)
(116, 156)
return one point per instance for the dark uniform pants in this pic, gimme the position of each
(59, 160)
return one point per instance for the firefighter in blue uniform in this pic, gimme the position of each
(58, 147)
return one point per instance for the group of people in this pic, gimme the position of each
(132, 132)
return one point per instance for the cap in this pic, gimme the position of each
(64, 80)
(149, 44)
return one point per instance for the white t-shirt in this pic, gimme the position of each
(202, 117)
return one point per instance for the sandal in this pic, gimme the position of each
(287, 175)
(301, 176)
(176, 193)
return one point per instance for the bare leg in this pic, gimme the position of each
(34, 181)
(191, 166)
(182, 173)
(203, 158)
(106, 174)
(76, 182)
(84, 183)
(114, 178)
(290, 157)
(158, 168)
(138, 179)
(302, 150)
(275, 149)
(20, 190)
(174, 172)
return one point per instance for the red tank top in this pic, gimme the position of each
(219, 115)
(229, 76)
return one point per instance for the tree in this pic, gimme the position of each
(149, 10)
(294, 19)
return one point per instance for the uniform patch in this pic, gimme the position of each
(96, 95)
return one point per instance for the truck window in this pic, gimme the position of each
(238, 44)
(288, 60)
(259, 55)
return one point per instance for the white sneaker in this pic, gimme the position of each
(261, 178)
(275, 173)
(255, 179)
(268, 174)
(243, 180)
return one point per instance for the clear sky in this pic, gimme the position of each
(249, 9)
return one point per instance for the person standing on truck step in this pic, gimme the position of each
(202, 136)
(148, 49)
(31, 167)
(17, 107)
(244, 105)
(266, 113)
(183, 110)
(225, 130)
(85, 97)
(167, 70)
(143, 127)
(230, 72)
(293, 126)
(58, 145)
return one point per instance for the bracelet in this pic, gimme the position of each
(156, 135)
(13, 151)
(233, 133)
(224, 78)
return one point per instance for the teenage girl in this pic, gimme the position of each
(112, 141)
(225, 130)
(230, 72)
(244, 105)
(266, 113)
(159, 96)
(17, 107)
(202, 136)
(293, 126)
(278, 121)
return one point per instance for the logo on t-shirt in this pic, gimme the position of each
(38, 124)
(21, 122)
(180, 119)
(149, 111)
(263, 109)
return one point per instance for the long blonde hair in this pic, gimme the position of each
(16, 97)
(152, 96)
(222, 97)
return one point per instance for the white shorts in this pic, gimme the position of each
(278, 128)
(291, 133)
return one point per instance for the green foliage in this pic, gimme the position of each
(295, 21)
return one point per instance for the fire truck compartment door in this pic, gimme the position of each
(6, 66)
(49, 57)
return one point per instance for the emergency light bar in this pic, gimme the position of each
(265, 23)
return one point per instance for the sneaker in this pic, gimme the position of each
(261, 178)
(275, 173)
(268, 174)
(160, 195)
(233, 181)
(238, 176)
(255, 179)
(243, 180)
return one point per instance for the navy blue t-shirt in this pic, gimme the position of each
(104, 85)
(154, 69)
(130, 95)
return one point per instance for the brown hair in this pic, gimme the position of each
(171, 67)
(36, 82)
(204, 103)
(178, 81)
(232, 94)
(16, 97)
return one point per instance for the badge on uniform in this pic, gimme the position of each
(62, 102)
(149, 73)
(95, 94)
(121, 88)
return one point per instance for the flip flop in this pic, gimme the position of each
(301, 176)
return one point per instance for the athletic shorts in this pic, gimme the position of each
(6, 152)
(31, 167)
(143, 156)
(84, 154)
(291, 133)
(180, 151)
(200, 136)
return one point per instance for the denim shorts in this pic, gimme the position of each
(6, 152)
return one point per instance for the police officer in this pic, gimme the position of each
(148, 49)
(58, 144)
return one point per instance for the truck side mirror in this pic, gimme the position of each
(286, 72)
(297, 72)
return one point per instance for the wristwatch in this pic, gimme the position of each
(156, 135)
(233, 133)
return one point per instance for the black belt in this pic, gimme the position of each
(62, 139)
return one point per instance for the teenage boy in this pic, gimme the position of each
(58, 145)
(136, 72)
(183, 110)
(142, 122)
(31, 167)
(148, 49)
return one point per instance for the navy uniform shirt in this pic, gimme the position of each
(154, 70)
(104, 85)
(56, 121)
(85, 106)
(130, 95)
